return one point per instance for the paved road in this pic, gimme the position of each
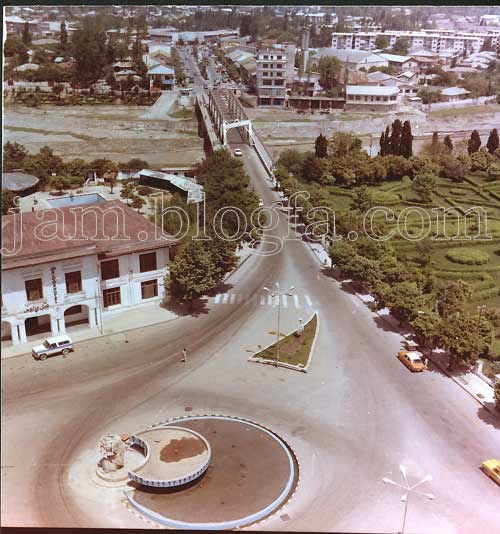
(352, 420)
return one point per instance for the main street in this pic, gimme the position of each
(352, 420)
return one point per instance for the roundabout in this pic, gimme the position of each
(250, 473)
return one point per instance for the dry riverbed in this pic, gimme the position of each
(114, 132)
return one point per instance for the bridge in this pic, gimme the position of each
(222, 112)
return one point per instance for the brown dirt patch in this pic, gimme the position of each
(179, 449)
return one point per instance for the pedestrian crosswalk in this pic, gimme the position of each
(287, 301)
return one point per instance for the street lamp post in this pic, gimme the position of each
(279, 294)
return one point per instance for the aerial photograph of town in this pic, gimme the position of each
(250, 266)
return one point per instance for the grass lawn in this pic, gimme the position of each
(293, 350)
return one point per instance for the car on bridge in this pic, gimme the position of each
(238, 152)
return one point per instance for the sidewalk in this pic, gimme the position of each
(124, 321)
(139, 317)
(469, 381)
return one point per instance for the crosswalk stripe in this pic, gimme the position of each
(308, 300)
(217, 298)
(262, 300)
(296, 301)
(225, 298)
(270, 300)
(285, 301)
(232, 298)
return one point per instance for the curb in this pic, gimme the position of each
(493, 411)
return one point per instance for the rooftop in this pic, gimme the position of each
(161, 69)
(108, 228)
(195, 192)
(454, 91)
(377, 90)
(18, 181)
(348, 55)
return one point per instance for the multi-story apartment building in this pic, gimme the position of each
(432, 40)
(271, 77)
(74, 266)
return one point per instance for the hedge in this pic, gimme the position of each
(486, 294)
(469, 256)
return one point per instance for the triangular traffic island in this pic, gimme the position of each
(295, 349)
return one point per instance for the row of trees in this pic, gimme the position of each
(397, 140)
(201, 265)
(434, 308)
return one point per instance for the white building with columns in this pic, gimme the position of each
(74, 266)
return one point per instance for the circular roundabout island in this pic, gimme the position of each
(211, 472)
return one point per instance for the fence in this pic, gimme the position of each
(461, 103)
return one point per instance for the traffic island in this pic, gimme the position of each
(295, 349)
(251, 474)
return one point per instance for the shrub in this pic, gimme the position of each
(385, 197)
(458, 192)
(144, 190)
(468, 256)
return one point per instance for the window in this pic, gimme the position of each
(73, 282)
(111, 297)
(147, 262)
(110, 269)
(34, 289)
(149, 289)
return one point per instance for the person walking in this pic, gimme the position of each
(184, 355)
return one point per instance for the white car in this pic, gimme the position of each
(52, 346)
(238, 152)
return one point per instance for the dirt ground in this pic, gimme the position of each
(114, 132)
(300, 130)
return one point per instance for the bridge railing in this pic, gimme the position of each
(263, 153)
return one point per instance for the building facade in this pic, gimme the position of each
(98, 260)
(271, 77)
(432, 40)
(372, 98)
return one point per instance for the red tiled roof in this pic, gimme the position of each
(109, 228)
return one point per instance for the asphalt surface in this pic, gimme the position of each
(355, 418)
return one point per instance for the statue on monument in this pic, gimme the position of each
(112, 447)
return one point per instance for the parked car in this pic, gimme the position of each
(238, 152)
(52, 346)
(409, 344)
(413, 359)
(492, 469)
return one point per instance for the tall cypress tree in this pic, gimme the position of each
(321, 146)
(435, 139)
(448, 143)
(395, 138)
(493, 142)
(383, 144)
(474, 142)
(63, 37)
(26, 34)
(406, 146)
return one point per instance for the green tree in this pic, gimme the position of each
(193, 272)
(404, 299)
(14, 155)
(76, 167)
(89, 49)
(451, 297)
(406, 144)
(362, 200)
(63, 35)
(401, 46)
(381, 42)
(494, 172)
(128, 192)
(60, 183)
(474, 142)
(341, 253)
(448, 143)
(44, 164)
(329, 70)
(26, 34)
(465, 337)
(344, 144)
(321, 146)
(426, 325)
(497, 395)
(223, 255)
(493, 142)
(137, 202)
(8, 200)
(395, 138)
(425, 185)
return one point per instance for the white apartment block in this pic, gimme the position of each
(432, 40)
(114, 260)
(271, 77)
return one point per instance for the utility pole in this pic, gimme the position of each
(279, 294)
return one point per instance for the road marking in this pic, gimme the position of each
(308, 300)
(270, 300)
(225, 298)
(232, 298)
(217, 298)
(262, 300)
(296, 301)
(285, 301)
